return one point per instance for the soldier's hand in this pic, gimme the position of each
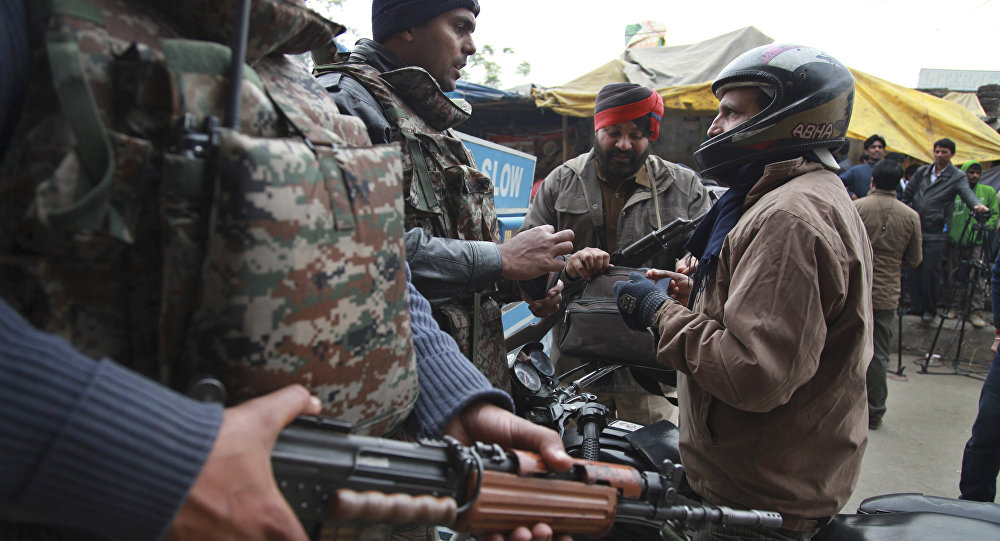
(482, 421)
(533, 252)
(235, 496)
(587, 263)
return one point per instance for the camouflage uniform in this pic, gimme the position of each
(444, 193)
(278, 260)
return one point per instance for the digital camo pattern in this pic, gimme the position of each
(464, 195)
(491, 357)
(421, 92)
(278, 26)
(286, 267)
(303, 278)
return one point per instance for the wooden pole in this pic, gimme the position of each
(565, 138)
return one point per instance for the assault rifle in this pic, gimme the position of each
(668, 239)
(327, 474)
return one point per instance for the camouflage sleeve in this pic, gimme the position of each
(448, 381)
(445, 269)
(81, 441)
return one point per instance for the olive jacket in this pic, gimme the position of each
(570, 198)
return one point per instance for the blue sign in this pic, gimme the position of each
(517, 316)
(512, 172)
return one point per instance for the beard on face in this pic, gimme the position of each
(613, 169)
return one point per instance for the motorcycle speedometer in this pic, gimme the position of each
(527, 378)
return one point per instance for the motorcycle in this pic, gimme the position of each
(560, 402)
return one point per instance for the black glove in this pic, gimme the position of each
(638, 301)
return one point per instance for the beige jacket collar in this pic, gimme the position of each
(776, 174)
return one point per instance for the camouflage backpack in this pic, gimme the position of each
(136, 228)
(445, 195)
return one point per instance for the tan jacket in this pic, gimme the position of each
(773, 359)
(894, 232)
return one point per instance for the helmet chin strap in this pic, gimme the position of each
(826, 158)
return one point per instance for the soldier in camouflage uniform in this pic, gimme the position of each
(268, 253)
(395, 85)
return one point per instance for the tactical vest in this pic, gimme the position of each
(267, 254)
(445, 194)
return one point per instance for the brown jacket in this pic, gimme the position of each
(773, 359)
(894, 232)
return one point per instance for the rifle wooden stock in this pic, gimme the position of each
(327, 474)
(507, 501)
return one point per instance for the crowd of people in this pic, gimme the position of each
(957, 220)
(334, 250)
(940, 222)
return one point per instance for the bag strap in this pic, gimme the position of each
(428, 201)
(92, 202)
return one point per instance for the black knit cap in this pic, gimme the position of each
(392, 16)
(620, 102)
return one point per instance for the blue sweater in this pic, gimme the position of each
(858, 179)
(91, 445)
(95, 447)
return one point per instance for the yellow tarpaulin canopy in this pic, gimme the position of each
(909, 120)
(969, 100)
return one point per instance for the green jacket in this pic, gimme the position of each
(988, 196)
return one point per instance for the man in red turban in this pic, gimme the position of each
(611, 197)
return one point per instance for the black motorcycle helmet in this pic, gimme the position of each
(813, 95)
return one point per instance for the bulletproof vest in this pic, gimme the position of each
(445, 194)
(265, 254)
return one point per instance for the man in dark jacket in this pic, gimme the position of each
(931, 192)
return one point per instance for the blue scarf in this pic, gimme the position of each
(706, 241)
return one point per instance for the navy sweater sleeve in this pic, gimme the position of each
(91, 445)
(448, 381)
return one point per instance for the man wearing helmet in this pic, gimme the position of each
(772, 356)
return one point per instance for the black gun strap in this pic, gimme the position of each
(651, 383)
